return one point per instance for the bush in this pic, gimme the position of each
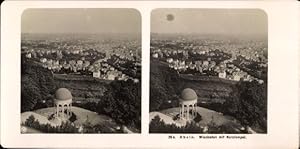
(65, 127)
(159, 126)
(99, 128)
(73, 117)
(176, 117)
(198, 118)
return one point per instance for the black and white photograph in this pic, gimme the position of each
(80, 70)
(208, 71)
(149, 74)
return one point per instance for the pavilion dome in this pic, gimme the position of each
(188, 94)
(63, 94)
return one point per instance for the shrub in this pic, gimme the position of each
(65, 127)
(176, 117)
(198, 118)
(73, 117)
(159, 126)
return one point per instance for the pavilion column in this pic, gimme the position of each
(182, 111)
(71, 108)
(193, 111)
(66, 108)
(54, 105)
(188, 112)
(63, 110)
(192, 108)
(57, 110)
(69, 111)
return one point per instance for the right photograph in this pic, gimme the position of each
(208, 71)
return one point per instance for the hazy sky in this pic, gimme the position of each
(72, 20)
(210, 21)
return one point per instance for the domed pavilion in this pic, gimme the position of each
(63, 103)
(188, 104)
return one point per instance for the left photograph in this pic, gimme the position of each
(81, 70)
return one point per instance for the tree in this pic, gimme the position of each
(163, 83)
(122, 102)
(249, 104)
(37, 84)
(253, 103)
(30, 120)
(30, 93)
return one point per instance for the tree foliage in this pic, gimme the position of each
(162, 82)
(249, 104)
(29, 94)
(122, 102)
(37, 84)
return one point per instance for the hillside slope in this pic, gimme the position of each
(41, 118)
(82, 116)
(83, 90)
(166, 118)
(166, 84)
(208, 116)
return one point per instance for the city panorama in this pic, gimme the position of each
(80, 71)
(208, 71)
